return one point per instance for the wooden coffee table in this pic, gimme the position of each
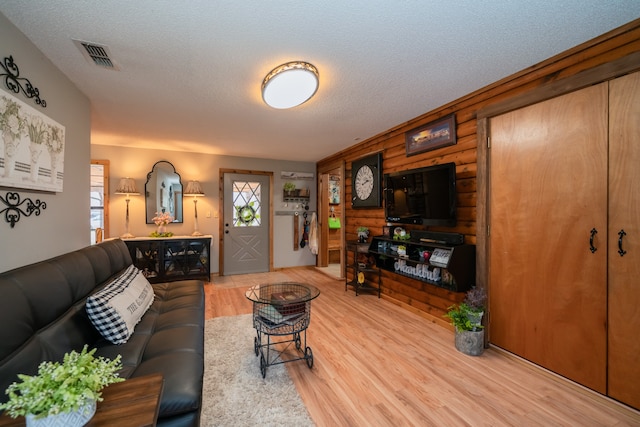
(134, 402)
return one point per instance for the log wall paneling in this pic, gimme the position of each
(593, 57)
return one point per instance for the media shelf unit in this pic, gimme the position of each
(372, 280)
(451, 267)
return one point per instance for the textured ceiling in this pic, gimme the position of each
(190, 71)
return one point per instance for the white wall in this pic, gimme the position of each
(136, 163)
(64, 224)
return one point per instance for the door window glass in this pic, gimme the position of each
(247, 204)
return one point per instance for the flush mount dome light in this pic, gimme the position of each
(289, 85)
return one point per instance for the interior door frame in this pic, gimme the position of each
(323, 212)
(221, 213)
(105, 196)
(599, 74)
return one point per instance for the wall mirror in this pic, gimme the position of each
(163, 192)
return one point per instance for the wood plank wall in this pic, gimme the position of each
(413, 294)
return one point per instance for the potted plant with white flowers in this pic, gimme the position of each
(62, 393)
(162, 220)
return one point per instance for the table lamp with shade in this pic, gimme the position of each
(194, 190)
(127, 186)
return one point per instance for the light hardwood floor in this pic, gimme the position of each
(377, 364)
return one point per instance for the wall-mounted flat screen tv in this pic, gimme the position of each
(425, 196)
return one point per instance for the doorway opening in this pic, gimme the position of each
(331, 223)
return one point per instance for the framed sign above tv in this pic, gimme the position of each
(437, 134)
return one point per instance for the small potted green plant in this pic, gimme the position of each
(62, 393)
(363, 234)
(466, 319)
(289, 188)
(402, 250)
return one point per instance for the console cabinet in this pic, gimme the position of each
(172, 258)
(449, 267)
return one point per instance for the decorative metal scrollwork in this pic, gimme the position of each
(14, 82)
(14, 208)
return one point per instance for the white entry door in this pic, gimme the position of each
(246, 223)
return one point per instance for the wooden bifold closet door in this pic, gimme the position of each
(564, 257)
(624, 215)
(548, 190)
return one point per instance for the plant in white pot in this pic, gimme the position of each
(466, 319)
(475, 299)
(363, 234)
(62, 393)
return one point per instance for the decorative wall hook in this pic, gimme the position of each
(14, 207)
(14, 82)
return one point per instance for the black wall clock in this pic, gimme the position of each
(366, 177)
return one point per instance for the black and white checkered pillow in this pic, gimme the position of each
(116, 309)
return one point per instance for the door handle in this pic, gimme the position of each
(593, 234)
(621, 234)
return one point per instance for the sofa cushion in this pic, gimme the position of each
(168, 340)
(117, 308)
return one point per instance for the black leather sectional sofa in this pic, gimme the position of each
(43, 316)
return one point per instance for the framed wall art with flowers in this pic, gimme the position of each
(31, 147)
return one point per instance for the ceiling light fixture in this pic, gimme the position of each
(289, 85)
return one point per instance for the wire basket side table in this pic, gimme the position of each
(281, 316)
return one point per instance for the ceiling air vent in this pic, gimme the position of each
(96, 54)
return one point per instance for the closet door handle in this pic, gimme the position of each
(593, 234)
(621, 234)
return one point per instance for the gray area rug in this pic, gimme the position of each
(235, 394)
